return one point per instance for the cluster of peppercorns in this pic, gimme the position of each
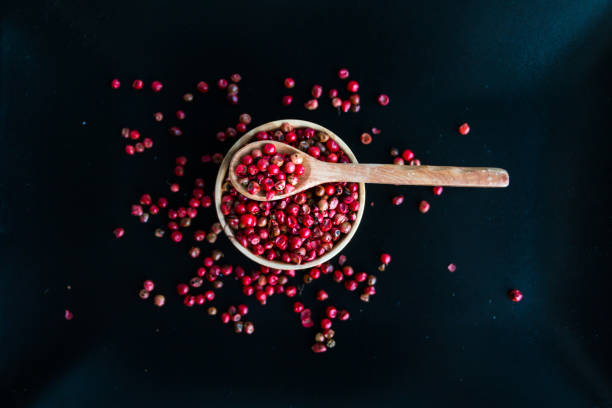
(266, 169)
(302, 227)
(231, 132)
(138, 147)
(231, 88)
(147, 287)
(351, 103)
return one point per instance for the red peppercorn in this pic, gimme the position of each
(346, 106)
(383, 100)
(139, 147)
(175, 131)
(312, 104)
(398, 160)
(385, 259)
(424, 206)
(366, 138)
(331, 312)
(176, 236)
(343, 73)
(344, 315)
(319, 348)
(147, 143)
(326, 323)
(222, 83)
(291, 291)
(289, 83)
(210, 295)
(202, 87)
(332, 93)
(287, 99)
(464, 129)
(322, 295)
(235, 77)
(437, 190)
(134, 135)
(137, 84)
(350, 285)
(130, 150)
(397, 200)
(241, 127)
(225, 317)
(298, 307)
(156, 86)
(352, 86)
(148, 285)
(317, 91)
(182, 289)
(452, 268)
(336, 102)
(119, 232)
(243, 309)
(115, 84)
(515, 295)
(180, 115)
(407, 155)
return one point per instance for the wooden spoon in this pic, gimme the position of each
(320, 172)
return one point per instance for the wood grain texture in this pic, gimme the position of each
(320, 172)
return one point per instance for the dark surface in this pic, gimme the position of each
(532, 78)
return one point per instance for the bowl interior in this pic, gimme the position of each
(222, 175)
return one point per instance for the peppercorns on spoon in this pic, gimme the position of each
(289, 171)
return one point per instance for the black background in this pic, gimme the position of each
(533, 79)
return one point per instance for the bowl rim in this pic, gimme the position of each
(221, 175)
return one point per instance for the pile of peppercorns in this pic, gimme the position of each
(299, 228)
(275, 173)
(296, 229)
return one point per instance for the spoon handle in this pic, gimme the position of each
(417, 175)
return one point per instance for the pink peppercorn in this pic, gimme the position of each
(298, 307)
(383, 100)
(115, 84)
(222, 83)
(322, 295)
(176, 236)
(344, 315)
(156, 86)
(119, 232)
(464, 129)
(343, 73)
(287, 99)
(319, 348)
(397, 200)
(202, 87)
(137, 84)
(182, 289)
(326, 324)
(148, 285)
(352, 86)
(130, 150)
(424, 206)
(289, 83)
(385, 259)
(515, 295)
(331, 312)
(437, 190)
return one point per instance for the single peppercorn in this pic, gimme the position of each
(343, 73)
(144, 294)
(437, 190)
(118, 232)
(397, 200)
(158, 116)
(212, 311)
(366, 138)
(464, 129)
(289, 83)
(156, 86)
(383, 100)
(115, 84)
(515, 295)
(249, 328)
(424, 206)
(202, 87)
(159, 300)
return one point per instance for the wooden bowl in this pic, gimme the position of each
(222, 175)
